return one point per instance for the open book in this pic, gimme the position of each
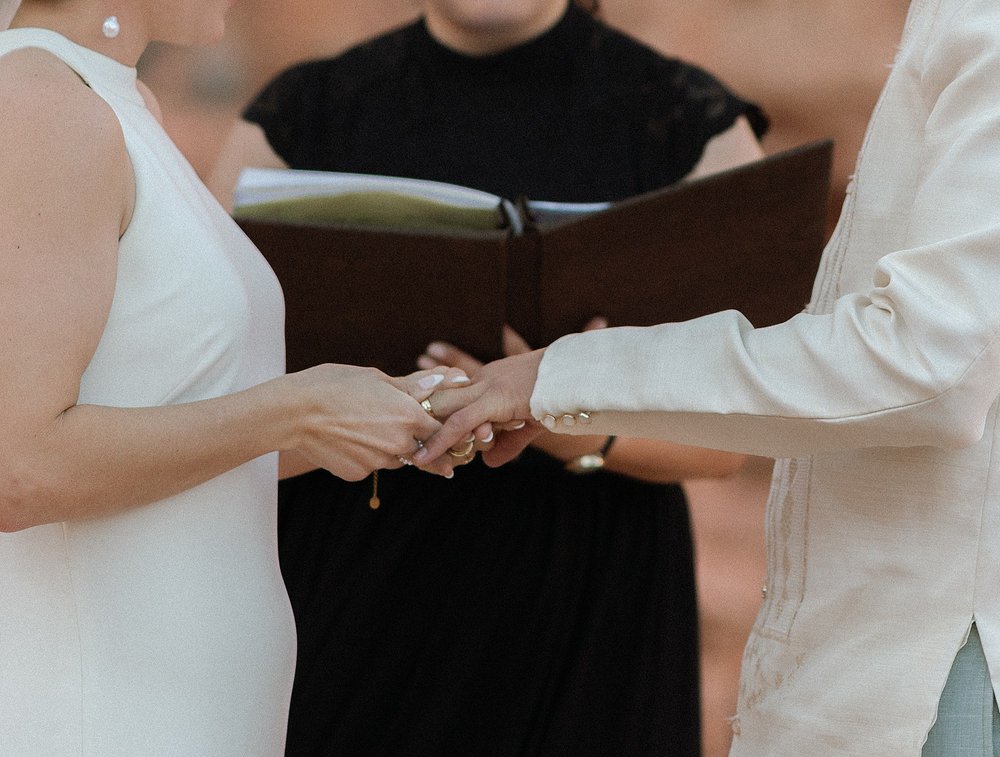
(387, 202)
(374, 267)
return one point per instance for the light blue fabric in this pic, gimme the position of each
(968, 723)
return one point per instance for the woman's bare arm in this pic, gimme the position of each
(733, 147)
(67, 189)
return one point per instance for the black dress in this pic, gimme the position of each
(514, 611)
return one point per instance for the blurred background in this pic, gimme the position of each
(816, 67)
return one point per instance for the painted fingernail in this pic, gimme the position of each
(518, 425)
(488, 438)
(460, 380)
(428, 382)
(436, 349)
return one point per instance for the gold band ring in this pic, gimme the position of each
(464, 450)
(426, 405)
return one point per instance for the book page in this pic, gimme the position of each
(545, 211)
(326, 197)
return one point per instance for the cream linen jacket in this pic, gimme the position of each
(883, 524)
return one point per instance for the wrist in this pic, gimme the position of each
(283, 409)
(593, 461)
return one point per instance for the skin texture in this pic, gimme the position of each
(482, 27)
(501, 393)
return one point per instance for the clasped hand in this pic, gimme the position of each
(494, 405)
(469, 407)
(491, 411)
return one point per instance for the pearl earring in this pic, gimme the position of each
(111, 27)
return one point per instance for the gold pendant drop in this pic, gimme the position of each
(374, 502)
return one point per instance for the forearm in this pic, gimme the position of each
(864, 375)
(665, 462)
(92, 460)
(291, 463)
(95, 460)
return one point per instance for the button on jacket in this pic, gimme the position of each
(883, 524)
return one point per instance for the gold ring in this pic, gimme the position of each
(463, 451)
(426, 405)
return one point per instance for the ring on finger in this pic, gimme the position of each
(463, 450)
(426, 405)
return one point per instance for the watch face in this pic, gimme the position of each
(587, 463)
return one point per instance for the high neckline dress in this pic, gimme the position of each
(166, 629)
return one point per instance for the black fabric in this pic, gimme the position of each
(518, 611)
(513, 611)
(580, 114)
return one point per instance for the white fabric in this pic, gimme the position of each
(165, 630)
(884, 525)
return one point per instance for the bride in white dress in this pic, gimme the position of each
(143, 408)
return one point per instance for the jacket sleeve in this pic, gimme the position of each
(914, 360)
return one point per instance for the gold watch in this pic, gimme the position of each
(590, 462)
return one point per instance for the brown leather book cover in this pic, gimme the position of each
(373, 297)
(749, 238)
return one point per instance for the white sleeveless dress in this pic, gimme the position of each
(165, 630)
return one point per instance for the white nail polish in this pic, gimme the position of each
(488, 438)
(461, 380)
(429, 382)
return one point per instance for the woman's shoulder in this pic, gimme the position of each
(651, 85)
(63, 148)
(312, 104)
(43, 100)
(616, 51)
(34, 67)
(645, 70)
(376, 61)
